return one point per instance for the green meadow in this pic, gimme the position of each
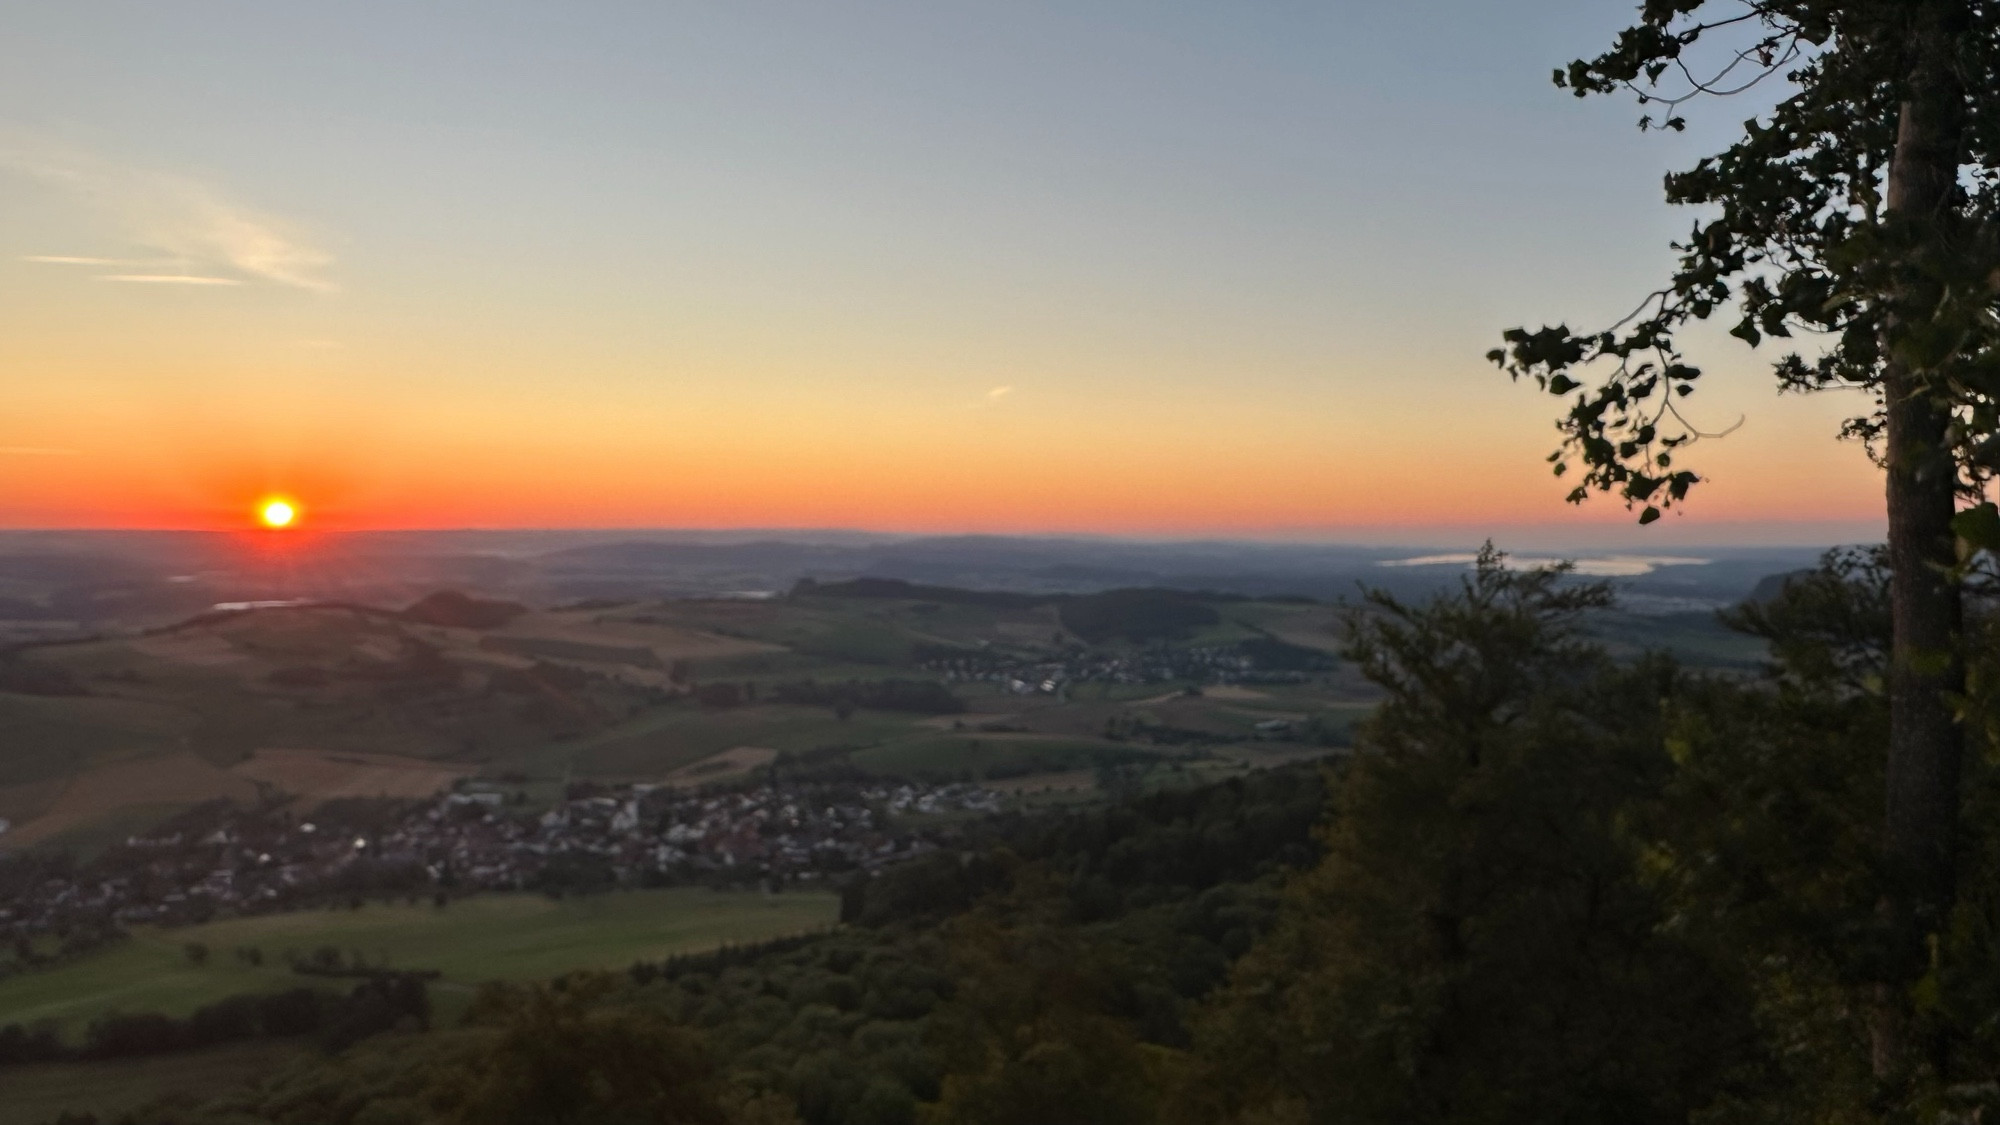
(485, 937)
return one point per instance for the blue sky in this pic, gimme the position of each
(1154, 268)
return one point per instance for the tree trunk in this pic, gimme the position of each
(1925, 743)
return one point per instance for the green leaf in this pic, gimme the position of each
(1649, 515)
(1562, 384)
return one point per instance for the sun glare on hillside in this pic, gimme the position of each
(277, 513)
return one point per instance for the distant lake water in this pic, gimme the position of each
(1597, 566)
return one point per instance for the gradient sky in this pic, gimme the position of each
(1150, 268)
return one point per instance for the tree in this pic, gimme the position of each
(1864, 210)
(1768, 846)
(568, 1056)
(1476, 943)
(1033, 1035)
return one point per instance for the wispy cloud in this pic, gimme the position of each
(37, 451)
(998, 393)
(74, 260)
(175, 215)
(170, 279)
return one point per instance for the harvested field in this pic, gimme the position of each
(179, 778)
(665, 641)
(202, 649)
(1233, 691)
(22, 803)
(323, 775)
(1316, 629)
(585, 652)
(731, 763)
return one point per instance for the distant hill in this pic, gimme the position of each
(1139, 614)
(88, 582)
(1136, 615)
(463, 611)
(913, 591)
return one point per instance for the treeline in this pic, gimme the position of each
(333, 1021)
(1139, 615)
(1162, 847)
(722, 957)
(1274, 655)
(25, 954)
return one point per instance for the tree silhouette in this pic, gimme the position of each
(1864, 213)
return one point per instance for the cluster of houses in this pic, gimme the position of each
(647, 833)
(1200, 664)
(221, 859)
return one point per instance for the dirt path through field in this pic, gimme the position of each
(323, 775)
(733, 762)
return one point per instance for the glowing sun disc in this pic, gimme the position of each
(277, 513)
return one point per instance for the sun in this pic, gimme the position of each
(277, 512)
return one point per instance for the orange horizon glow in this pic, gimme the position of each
(1237, 466)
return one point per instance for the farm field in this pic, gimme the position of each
(666, 741)
(944, 757)
(485, 937)
(298, 705)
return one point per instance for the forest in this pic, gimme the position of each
(1548, 885)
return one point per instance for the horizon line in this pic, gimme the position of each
(1627, 536)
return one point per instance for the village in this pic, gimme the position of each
(222, 860)
(1162, 664)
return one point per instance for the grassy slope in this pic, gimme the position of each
(489, 937)
(53, 736)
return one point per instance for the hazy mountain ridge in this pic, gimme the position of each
(94, 580)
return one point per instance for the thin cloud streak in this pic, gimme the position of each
(178, 216)
(77, 260)
(169, 279)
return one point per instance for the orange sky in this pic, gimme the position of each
(1142, 273)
